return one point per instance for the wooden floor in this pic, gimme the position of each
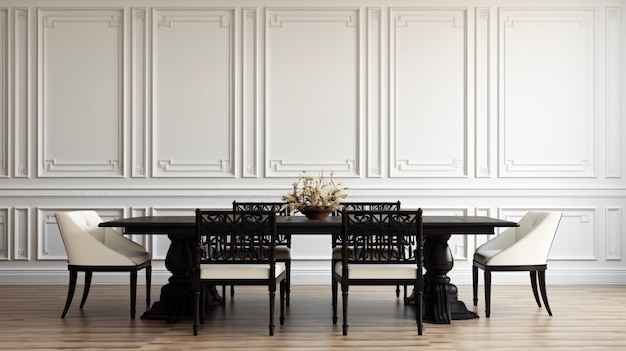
(585, 318)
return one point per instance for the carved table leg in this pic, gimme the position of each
(440, 297)
(176, 295)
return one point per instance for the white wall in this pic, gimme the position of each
(480, 107)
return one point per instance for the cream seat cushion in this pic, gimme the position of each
(379, 271)
(238, 271)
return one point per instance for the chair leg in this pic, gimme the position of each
(288, 281)
(196, 309)
(344, 295)
(397, 290)
(133, 293)
(70, 292)
(542, 286)
(475, 284)
(232, 291)
(148, 284)
(487, 293)
(419, 308)
(334, 297)
(283, 290)
(533, 284)
(203, 297)
(272, 304)
(88, 276)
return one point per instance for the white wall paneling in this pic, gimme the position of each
(21, 227)
(375, 93)
(428, 111)
(139, 92)
(614, 101)
(313, 91)
(547, 57)
(250, 87)
(4, 234)
(142, 107)
(22, 74)
(4, 93)
(81, 59)
(193, 113)
(482, 104)
(613, 234)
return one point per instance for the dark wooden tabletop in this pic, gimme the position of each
(302, 225)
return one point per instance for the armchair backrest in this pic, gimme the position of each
(382, 237)
(528, 244)
(86, 244)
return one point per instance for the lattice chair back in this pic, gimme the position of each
(363, 206)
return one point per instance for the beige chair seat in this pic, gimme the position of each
(239, 271)
(379, 271)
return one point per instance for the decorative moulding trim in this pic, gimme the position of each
(339, 169)
(250, 93)
(614, 92)
(50, 166)
(139, 77)
(277, 17)
(354, 192)
(167, 18)
(402, 168)
(585, 167)
(4, 93)
(22, 110)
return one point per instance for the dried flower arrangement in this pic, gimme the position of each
(310, 192)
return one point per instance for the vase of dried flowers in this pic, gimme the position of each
(315, 197)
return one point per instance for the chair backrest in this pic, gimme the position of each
(235, 236)
(382, 237)
(362, 206)
(280, 208)
(528, 244)
(87, 244)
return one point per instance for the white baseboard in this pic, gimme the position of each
(321, 276)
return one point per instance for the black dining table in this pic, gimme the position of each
(440, 296)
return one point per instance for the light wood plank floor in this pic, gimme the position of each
(591, 317)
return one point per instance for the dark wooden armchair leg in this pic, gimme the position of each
(133, 293)
(533, 284)
(487, 293)
(542, 286)
(70, 292)
(475, 284)
(88, 276)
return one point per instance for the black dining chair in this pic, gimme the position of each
(283, 241)
(380, 248)
(236, 248)
(360, 206)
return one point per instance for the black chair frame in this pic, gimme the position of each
(535, 271)
(380, 237)
(236, 237)
(88, 270)
(281, 209)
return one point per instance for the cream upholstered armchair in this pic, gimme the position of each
(93, 249)
(523, 248)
